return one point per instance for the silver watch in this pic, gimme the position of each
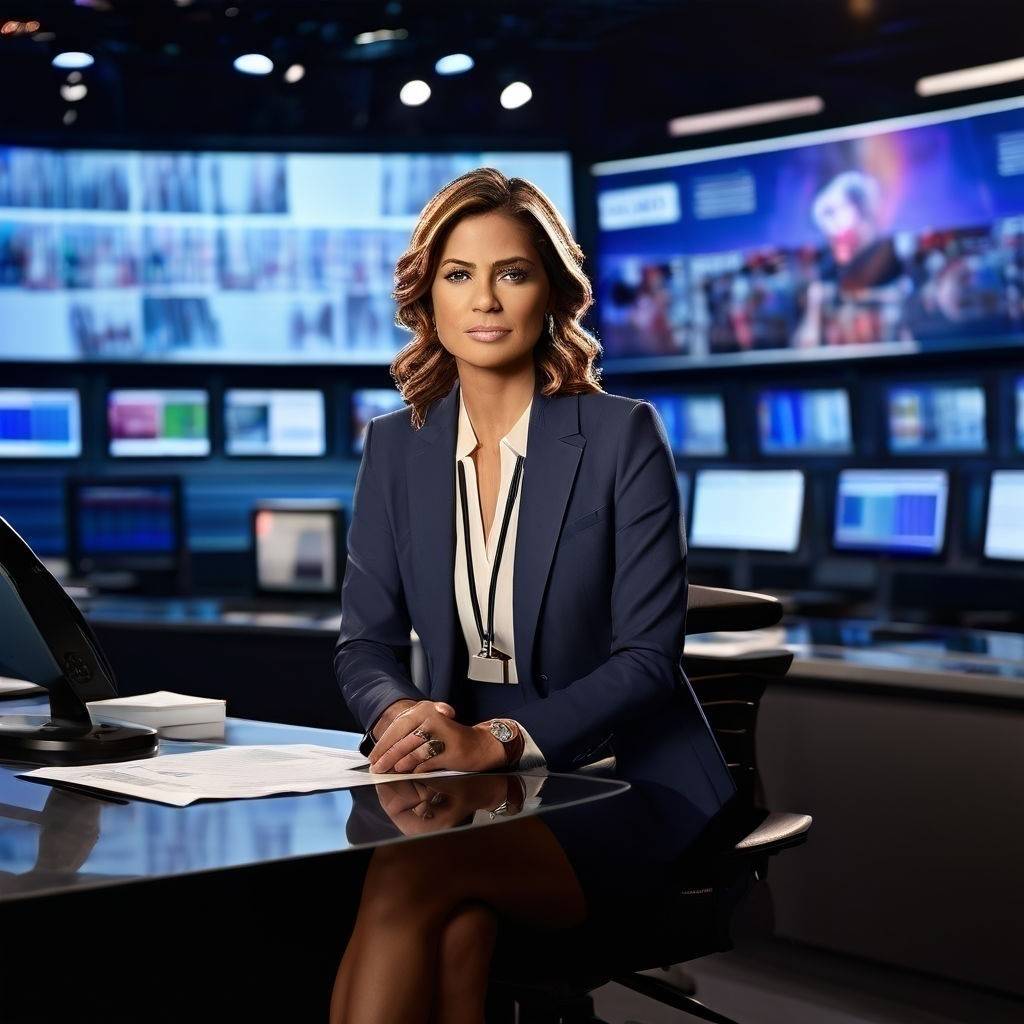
(502, 731)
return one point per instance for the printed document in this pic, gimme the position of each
(229, 773)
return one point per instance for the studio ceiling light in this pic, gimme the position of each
(415, 93)
(739, 117)
(972, 78)
(254, 64)
(515, 95)
(73, 59)
(454, 64)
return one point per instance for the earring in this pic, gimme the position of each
(551, 324)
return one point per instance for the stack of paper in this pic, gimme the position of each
(175, 716)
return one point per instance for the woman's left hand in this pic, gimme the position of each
(426, 738)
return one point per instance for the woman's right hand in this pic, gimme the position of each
(392, 711)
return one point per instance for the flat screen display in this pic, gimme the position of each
(1004, 527)
(695, 423)
(936, 418)
(273, 423)
(1020, 414)
(807, 421)
(885, 238)
(124, 524)
(191, 257)
(40, 423)
(296, 549)
(158, 423)
(367, 403)
(893, 511)
(747, 509)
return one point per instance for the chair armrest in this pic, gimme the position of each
(775, 833)
(716, 609)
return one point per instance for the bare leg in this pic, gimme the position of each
(411, 891)
(464, 963)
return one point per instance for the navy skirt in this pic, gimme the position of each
(626, 850)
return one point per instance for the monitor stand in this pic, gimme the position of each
(69, 736)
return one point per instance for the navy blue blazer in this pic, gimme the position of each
(599, 588)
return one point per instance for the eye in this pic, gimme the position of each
(522, 274)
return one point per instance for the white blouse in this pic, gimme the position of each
(512, 445)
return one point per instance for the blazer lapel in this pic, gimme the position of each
(554, 449)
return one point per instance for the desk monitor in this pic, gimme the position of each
(297, 547)
(804, 421)
(126, 532)
(158, 423)
(46, 640)
(748, 509)
(894, 511)
(1004, 525)
(367, 403)
(927, 419)
(274, 423)
(40, 423)
(695, 423)
(1020, 414)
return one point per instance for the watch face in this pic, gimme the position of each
(501, 731)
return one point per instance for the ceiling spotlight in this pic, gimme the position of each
(18, 28)
(74, 93)
(254, 64)
(230, 12)
(516, 95)
(73, 77)
(44, 37)
(382, 35)
(739, 117)
(70, 116)
(414, 93)
(72, 59)
(454, 64)
(972, 78)
(295, 73)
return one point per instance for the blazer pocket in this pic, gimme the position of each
(585, 521)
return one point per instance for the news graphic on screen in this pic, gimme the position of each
(124, 524)
(296, 547)
(198, 257)
(747, 509)
(695, 423)
(807, 421)
(40, 423)
(1004, 524)
(158, 423)
(367, 403)
(886, 238)
(929, 419)
(274, 423)
(893, 511)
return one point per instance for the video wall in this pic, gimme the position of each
(218, 257)
(891, 237)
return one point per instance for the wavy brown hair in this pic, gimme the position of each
(424, 370)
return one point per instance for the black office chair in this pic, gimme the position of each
(552, 979)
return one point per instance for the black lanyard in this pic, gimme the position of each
(486, 638)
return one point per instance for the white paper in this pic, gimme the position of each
(229, 773)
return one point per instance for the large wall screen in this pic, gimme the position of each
(892, 237)
(218, 257)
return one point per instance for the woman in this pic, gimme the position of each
(554, 637)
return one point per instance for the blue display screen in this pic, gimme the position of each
(813, 421)
(885, 238)
(40, 423)
(695, 423)
(891, 510)
(936, 418)
(367, 403)
(1020, 414)
(119, 519)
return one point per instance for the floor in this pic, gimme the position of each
(770, 982)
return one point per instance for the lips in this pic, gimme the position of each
(488, 333)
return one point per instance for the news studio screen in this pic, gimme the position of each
(191, 257)
(893, 237)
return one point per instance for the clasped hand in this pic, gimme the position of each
(425, 737)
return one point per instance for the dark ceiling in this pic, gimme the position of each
(606, 74)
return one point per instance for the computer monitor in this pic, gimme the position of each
(1004, 532)
(40, 423)
(127, 532)
(747, 509)
(804, 421)
(274, 423)
(163, 423)
(47, 641)
(891, 511)
(367, 403)
(695, 423)
(926, 419)
(297, 547)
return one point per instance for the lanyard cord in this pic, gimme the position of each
(486, 639)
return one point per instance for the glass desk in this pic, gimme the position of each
(57, 840)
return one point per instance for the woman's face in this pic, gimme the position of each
(490, 276)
